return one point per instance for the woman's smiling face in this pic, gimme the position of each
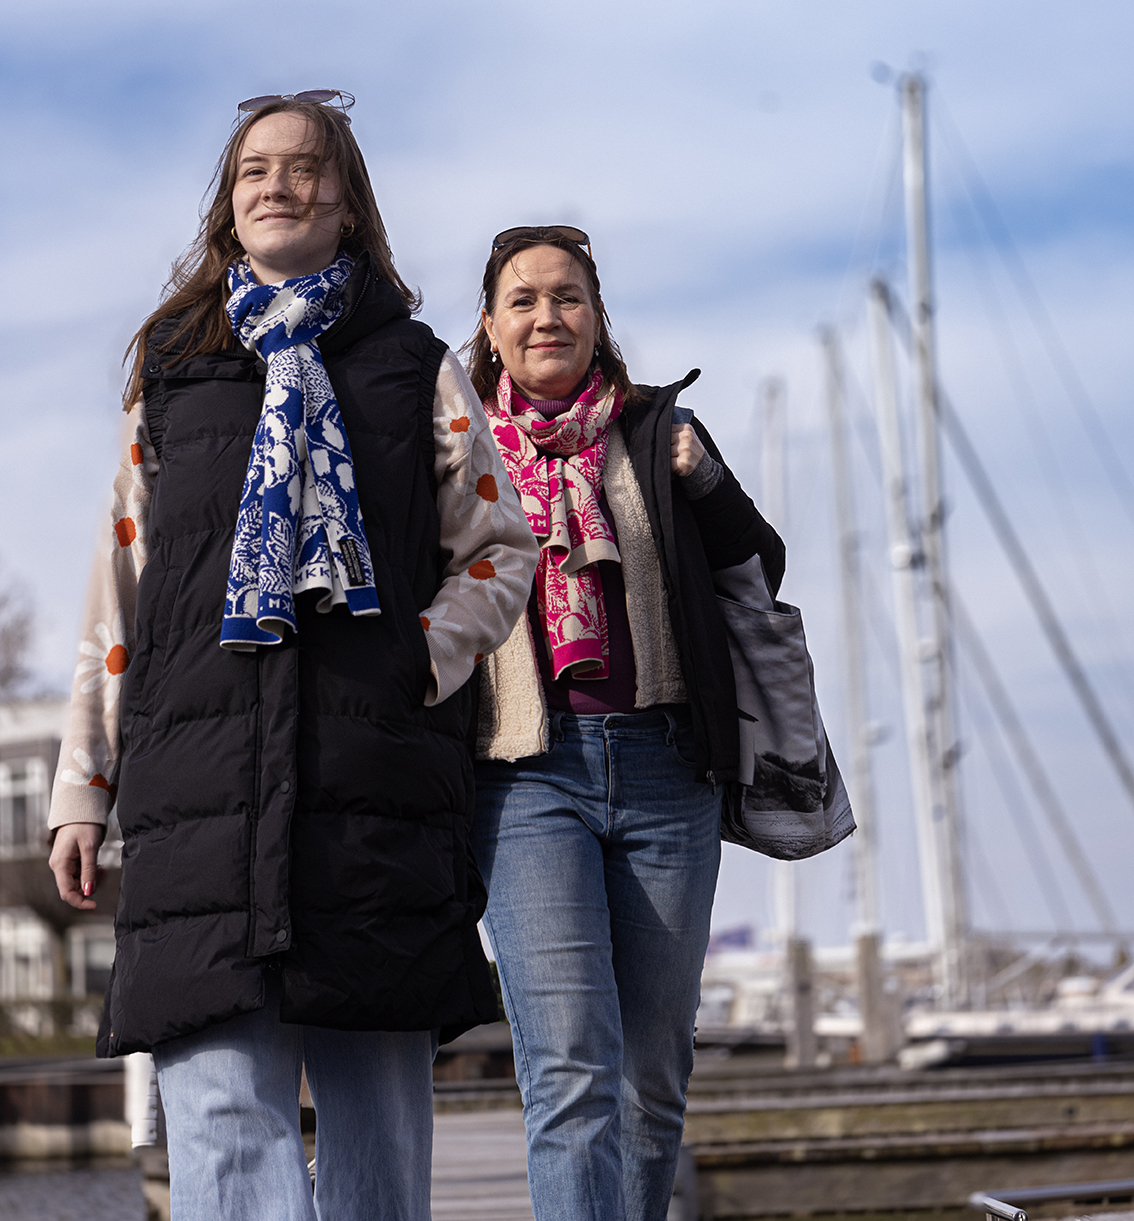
(276, 176)
(544, 323)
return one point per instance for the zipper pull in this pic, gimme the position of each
(711, 776)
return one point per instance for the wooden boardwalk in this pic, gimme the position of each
(479, 1174)
(480, 1167)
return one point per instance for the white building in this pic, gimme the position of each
(30, 735)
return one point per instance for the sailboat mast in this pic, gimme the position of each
(798, 992)
(903, 558)
(877, 1028)
(773, 489)
(861, 777)
(954, 913)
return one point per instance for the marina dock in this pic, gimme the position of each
(883, 1140)
(766, 1141)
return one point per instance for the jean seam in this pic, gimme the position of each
(506, 993)
(610, 811)
(671, 741)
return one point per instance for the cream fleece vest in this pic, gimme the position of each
(513, 711)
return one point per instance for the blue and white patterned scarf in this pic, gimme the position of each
(299, 526)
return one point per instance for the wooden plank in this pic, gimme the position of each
(934, 1144)
(823, 1189)
(761, 1119)
(480, 1169)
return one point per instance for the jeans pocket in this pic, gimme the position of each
(679, 738)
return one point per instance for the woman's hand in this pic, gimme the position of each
(685, 449)
(74, 861)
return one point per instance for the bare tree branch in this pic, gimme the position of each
(15, 637)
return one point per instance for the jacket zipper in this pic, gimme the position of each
(341, 322)
(669, 580)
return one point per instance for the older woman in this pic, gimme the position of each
(607, 728)
(313, 543)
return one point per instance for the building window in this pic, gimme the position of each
(26, 971)
(91, 952)
(24, 796)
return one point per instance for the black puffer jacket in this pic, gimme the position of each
(694, 538)
(297, 807)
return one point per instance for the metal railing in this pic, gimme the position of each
(1006, 1205)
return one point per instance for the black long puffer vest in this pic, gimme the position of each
(296, 808)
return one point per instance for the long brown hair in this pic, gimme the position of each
(484, 374)
(197, 287)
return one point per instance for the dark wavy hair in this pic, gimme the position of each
(484, 374)
(197, 289)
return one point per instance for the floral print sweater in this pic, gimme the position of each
(483, 592)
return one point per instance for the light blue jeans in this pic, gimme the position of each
(601, 860)
(231, 1099)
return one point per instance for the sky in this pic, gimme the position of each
(737, 167)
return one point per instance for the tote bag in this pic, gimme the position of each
(790, 801)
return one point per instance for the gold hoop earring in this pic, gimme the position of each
(235, 237)
(348, 232)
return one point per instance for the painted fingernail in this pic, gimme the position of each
(88, 889)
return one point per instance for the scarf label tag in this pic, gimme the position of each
(352, 562)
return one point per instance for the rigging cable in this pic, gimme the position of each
(1026, 757)
(878, 186)
(1099, 606)
(1029, 579)
(880, 618)
(1020, 815)
(991, 883)
(1030, 764)
(1057, 353)
(1025, 572)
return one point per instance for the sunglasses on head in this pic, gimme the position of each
(540, 233)
(345, 100)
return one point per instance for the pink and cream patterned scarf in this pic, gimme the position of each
(556, 466)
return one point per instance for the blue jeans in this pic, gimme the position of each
(231, 1099)
(601, 860)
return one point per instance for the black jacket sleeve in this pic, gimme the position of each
(731, 527)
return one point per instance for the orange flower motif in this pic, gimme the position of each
(136, 454)
(125, 531)
(482, 570)
(486, 489)
(104, 658)
(99, 781)
(460, 424)
(424, 622)
(88, 776)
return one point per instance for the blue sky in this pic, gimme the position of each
(734, 163)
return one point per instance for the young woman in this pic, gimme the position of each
(313, 543)
(607, 727)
